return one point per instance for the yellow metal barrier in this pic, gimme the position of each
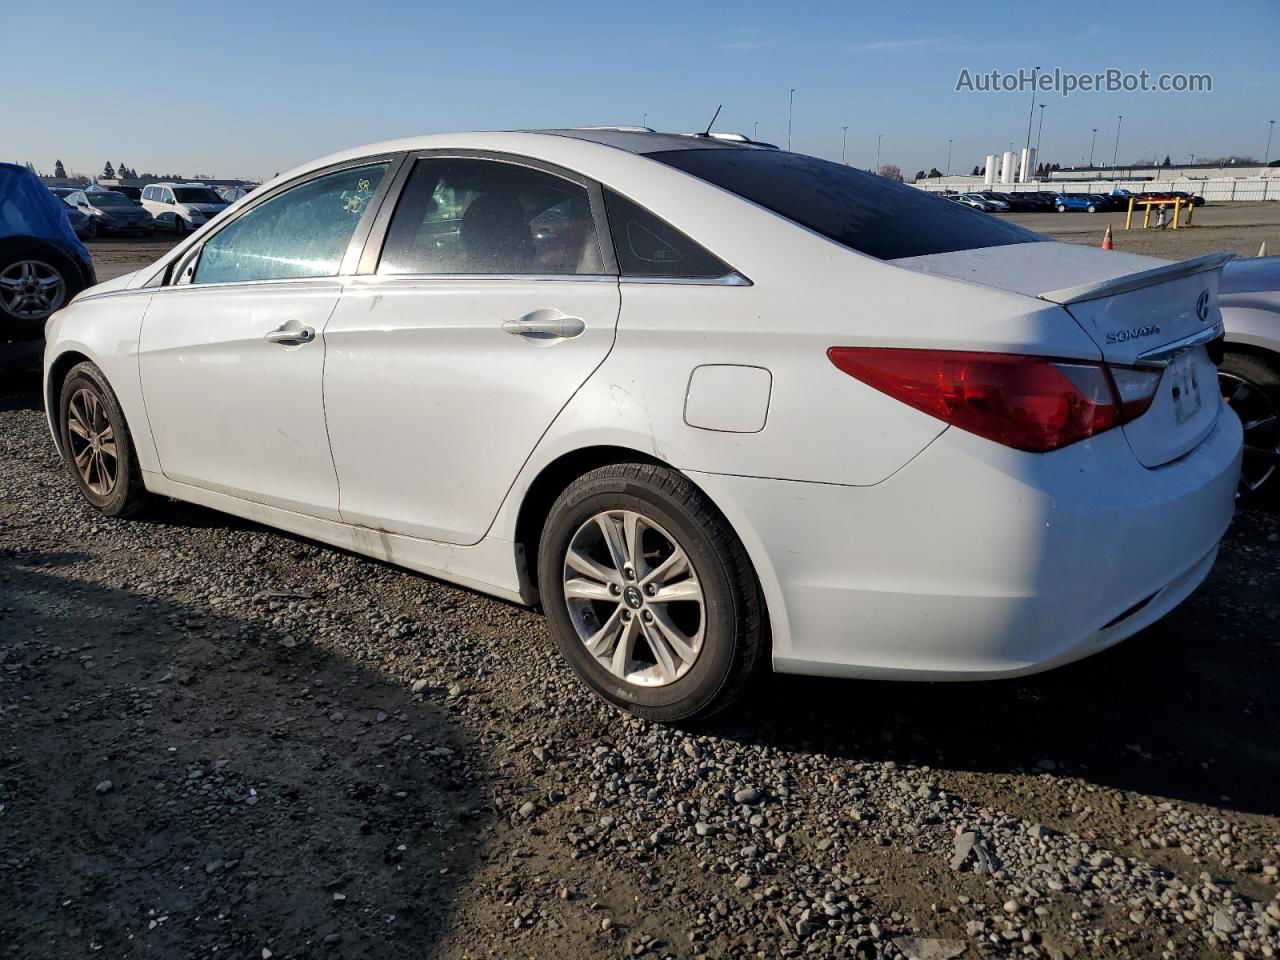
(1148, 204)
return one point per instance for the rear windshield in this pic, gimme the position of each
(101, 199)
(870, 214)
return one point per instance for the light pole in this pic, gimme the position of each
(844, 147)
(1040, 132)
(949, 142)
(644, 121)
(1116, 153)
(1193, 159)
(878, 136)
(790, 105)
(1031, 112)
(1271, 126)
(1091, 143)
(755, 130)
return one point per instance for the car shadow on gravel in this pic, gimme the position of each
(176, 783)
(1185, 710)
(20, 374)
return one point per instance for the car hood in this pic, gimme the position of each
(109, 286)
(122, 213)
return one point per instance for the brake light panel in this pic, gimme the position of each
(1026, 402)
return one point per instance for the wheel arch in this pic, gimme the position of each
(57, 373)
(550, 482)
(557, 474)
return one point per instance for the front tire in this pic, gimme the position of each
(1062, 208)
(96, 443)
(649, 594)
(179, 226)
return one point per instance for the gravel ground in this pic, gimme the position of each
(221, 741)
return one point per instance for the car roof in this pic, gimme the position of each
(646, 140)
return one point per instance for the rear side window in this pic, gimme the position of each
(485, 217)
(648, 246)
(875, 216)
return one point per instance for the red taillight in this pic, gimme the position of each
(1029, 403)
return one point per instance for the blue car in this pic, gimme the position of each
(43, 264)
(1074, 201)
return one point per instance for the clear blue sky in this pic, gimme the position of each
(249, 89)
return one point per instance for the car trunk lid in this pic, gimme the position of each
(1139, 311)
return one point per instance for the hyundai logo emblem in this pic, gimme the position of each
(1202, 306)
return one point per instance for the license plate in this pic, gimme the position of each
(1184, 384)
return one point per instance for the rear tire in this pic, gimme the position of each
(96, 444)
(1250, 382)
(625, 617)
(1062, 208)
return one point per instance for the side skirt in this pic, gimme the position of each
(489, 566)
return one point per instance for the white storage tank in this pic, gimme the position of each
(989, 176)
(1027, 173)
(1008, 170)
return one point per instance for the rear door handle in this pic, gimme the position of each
(291, 336)
(546, 324)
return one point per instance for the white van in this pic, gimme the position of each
(181, 207)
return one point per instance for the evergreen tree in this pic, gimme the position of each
(107, 172)
(935, 172)
(58, 169)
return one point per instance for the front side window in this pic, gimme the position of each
(867, 213)
(166, 196)
(303, 232)
(648, 246)
(467, 216)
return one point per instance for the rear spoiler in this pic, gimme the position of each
(1136, 281)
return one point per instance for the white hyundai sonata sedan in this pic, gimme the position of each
(709, 403)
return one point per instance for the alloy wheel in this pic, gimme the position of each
(1260, 417)
(31, 289)
(93, 442)
(634, 598)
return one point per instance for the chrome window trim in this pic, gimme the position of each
(380, 278)
(734, 279)
(335, 281)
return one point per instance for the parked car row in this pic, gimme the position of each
(96, 211)
(1045, 201)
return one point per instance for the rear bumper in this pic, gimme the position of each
(976, 562)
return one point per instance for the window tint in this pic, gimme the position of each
(648, 246)
(302, 232)
(464, 216)
(875, 216)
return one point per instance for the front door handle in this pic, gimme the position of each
(546, 324)
(291, 336)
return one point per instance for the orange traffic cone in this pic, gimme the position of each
(1106, 240)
